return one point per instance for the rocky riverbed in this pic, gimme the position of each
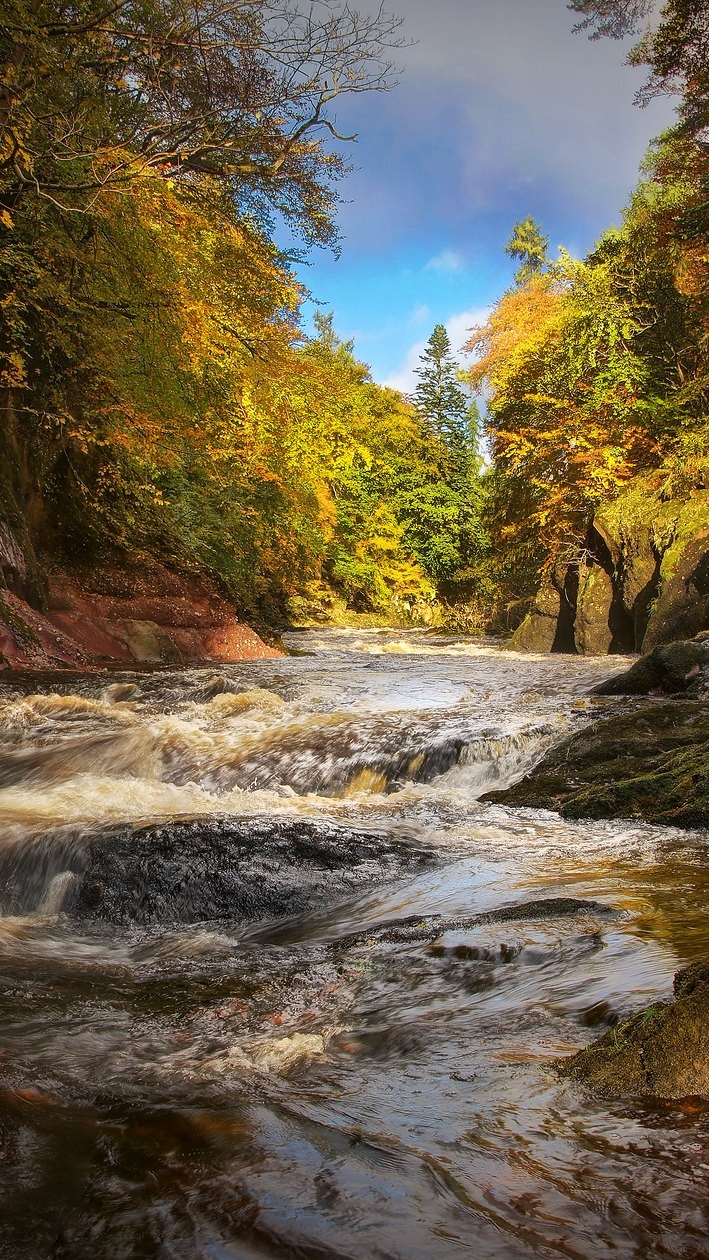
(646, 756)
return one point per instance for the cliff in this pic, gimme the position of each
(642, 579)
(138, 615)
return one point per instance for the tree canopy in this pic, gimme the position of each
(94, 95)
(529, 246)
(674, 45)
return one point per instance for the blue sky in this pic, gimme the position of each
(500, 111)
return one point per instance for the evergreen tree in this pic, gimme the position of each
(442, 401)
(442, 512)
(529, 245)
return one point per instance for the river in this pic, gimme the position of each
(275, 982)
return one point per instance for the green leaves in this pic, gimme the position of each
(529, 246)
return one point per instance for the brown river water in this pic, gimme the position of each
(274, 982)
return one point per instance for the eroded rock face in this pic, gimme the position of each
(681, 609)
(649, 761)
(538, 630)
(153, 616)
(592, 633)
(663, 1052)
(639, 579)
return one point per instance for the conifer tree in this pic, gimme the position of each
(442, 401)
(529, 245)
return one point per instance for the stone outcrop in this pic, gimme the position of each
(149, 616)
(649, 760)
(662, 1052)
(538, 630)
(592, 632)
(192, 870)
(675, 669)
(640, 580)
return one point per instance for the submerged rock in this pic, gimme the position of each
(649, 761)
(663, 1052)
(227, 869)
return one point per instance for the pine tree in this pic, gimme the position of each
(442, 401)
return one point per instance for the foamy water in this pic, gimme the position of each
(277, 982)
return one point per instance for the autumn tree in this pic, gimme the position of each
(674, 45)
(95, 95)
(566, 408)
(147, 320)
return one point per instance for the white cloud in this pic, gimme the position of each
(421, 314)
(404, 378)
(448, 262)
(457, 327)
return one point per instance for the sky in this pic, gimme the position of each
(500, 111)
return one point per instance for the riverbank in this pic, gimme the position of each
(645, 757)
(647, 753)
(115, 616)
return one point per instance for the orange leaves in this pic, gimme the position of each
(564, 385)
(522, 320)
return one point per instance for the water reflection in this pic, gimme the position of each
(371, 1076)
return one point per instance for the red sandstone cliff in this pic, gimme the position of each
(149, 616)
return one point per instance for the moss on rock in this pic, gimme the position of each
(662, 1052)
(649, 761)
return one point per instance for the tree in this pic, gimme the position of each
(95, 94)
(568, 406)
(147, 319)
(674, 46)
(529, 245)
(441, 400)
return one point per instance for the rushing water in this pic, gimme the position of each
(276, 983)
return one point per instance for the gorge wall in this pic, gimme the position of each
(142, 614)
(642, 580)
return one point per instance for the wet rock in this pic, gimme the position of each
(429, 927)
(592, 633)
(226, 869)
(650, 761)
(538, 630)
(663, 1052)
(672, 669)
(215, 685)
(681, 609)
(120, 693)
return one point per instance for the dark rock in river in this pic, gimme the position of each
(663, 1052)
(677, 668)
(191, 871)
(649, 761)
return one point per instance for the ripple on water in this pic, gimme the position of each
(372, 1075)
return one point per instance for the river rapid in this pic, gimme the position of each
(275, 982)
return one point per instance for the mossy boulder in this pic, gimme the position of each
(673, 669)
(660, 553)
(649, 761)
(682, 605)
(592, 633)
(538, 630)
(662, 1052)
